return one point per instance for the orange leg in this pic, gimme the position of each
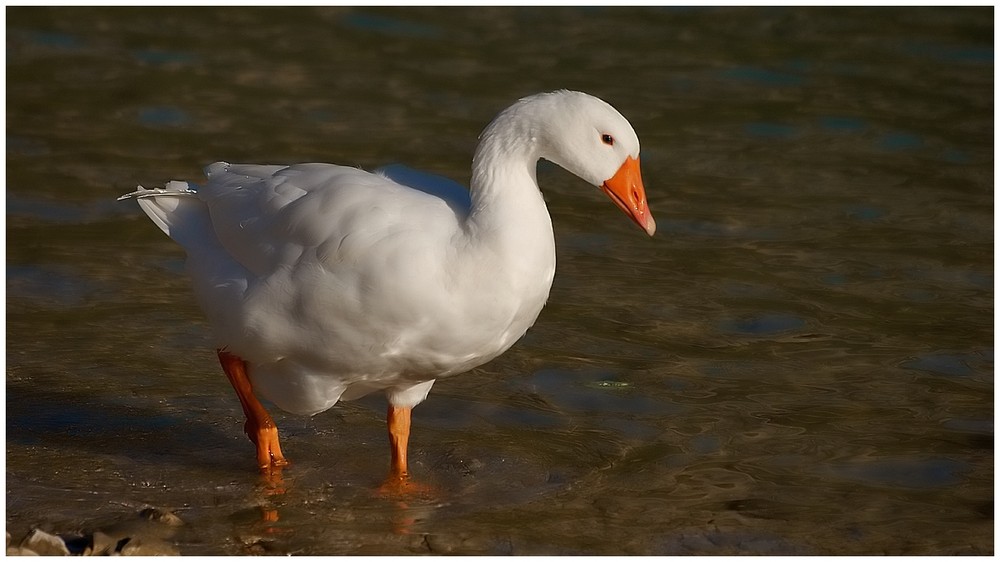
(259, 427)
(398, 420)
(398, 483)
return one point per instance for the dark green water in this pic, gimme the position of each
(800, 362)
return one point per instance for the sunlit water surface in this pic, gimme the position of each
(800, 361)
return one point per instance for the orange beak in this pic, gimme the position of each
(626, 190)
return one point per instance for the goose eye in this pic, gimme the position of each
(608, 139)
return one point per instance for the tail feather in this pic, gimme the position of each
(177, 211)
(172, 188)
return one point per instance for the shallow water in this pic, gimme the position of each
(800, 362)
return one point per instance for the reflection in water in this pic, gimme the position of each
(408, 515)
(408, 502)
(805, 344)
(273, 481)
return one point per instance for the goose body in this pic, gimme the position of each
(329, 282)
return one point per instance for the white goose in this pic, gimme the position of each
(325, 283)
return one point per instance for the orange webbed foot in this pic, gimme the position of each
(265, 437)
(400, 486)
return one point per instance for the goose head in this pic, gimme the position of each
(589, 138)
